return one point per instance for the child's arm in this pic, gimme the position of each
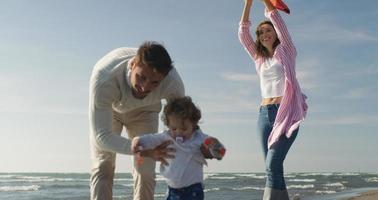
(211, 147)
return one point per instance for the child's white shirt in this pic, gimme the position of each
(187, 166)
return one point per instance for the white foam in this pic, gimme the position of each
(211, 189)
(160, 178)
(300, 186)
(41, 179)
(160, 195)
(372, 179)
(302, 180)
(208, 175)
(7, 176)
(325, 192)
(128, 185)
(337, 184)
(19, 188)
(316, 174)
(248, 188)
(347, 174)
(255, 176)
(123, 179)
(223, 177)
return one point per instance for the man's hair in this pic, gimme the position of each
(182, 108)
(154, 55)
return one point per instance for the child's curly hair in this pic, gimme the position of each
(182, 108)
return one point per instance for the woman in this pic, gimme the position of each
(283, 105)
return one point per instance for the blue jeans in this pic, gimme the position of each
(193, 192)
(275, 156)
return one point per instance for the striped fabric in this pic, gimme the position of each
(293, 106)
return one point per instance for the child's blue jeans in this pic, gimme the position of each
(275, 156)
(193, 192)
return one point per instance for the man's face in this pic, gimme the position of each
(143, 80)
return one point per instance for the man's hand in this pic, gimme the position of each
(135, 146)
(160, 153)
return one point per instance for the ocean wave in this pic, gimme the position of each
(211, 189)
(160, 178)
(66, 186)
(371, 180)
(255, 176)
(7, 176)
(347, 174)
(302, 180)
(248, 188)
(120, 197)
(223, 177)
(128, 185)
(316, 174)
(300, 186)
(41, 179)
(337, 184)
(19, 188)
(159, 195)
(325, 192)
(123, 179)
(208, 175)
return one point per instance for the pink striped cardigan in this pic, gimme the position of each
(293, 106)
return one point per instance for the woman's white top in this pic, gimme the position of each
(272, 78)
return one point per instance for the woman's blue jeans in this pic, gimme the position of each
(275, 156)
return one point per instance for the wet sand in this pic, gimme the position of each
(370, 195)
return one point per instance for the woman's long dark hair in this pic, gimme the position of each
(261, 50)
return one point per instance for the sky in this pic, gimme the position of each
(49, 47)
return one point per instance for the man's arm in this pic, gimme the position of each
(148, 141)
(101, 119)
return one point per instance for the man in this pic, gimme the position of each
(126, 89)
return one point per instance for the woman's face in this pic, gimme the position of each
(267, 35)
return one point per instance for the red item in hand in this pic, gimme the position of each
(216, 149)
(222, 151)
(280, 5)
(208, 141)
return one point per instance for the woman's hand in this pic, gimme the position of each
(160, 153)
(268, 5)
(246, 10)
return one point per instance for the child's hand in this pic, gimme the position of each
(214, 147)
(205, 152)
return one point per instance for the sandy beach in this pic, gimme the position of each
(370, 195)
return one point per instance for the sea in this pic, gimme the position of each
(218, 186)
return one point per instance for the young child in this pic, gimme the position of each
(184, 173)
